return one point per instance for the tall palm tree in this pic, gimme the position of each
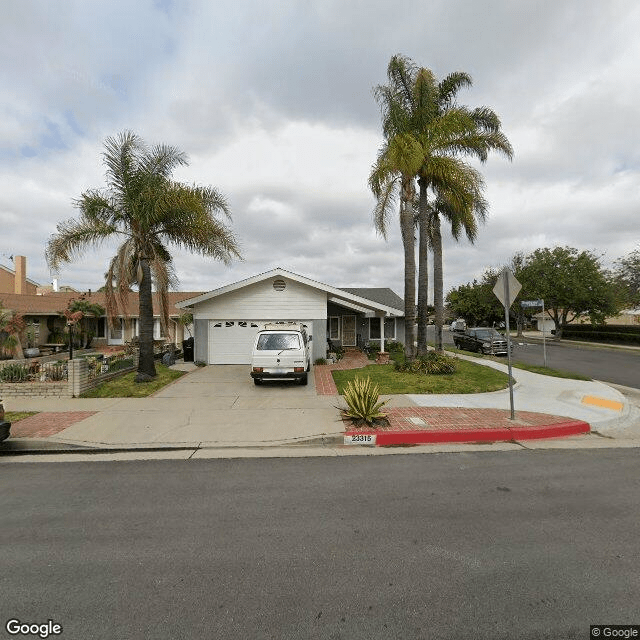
(145, 207)
(393, 177)
(445, 133)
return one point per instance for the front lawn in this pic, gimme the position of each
(126, 387)
(469, 378)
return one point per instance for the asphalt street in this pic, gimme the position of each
(531, 544)
(599, 363)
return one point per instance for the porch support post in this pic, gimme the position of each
(381, 334)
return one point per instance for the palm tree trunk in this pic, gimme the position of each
(146, 363)
(423, 267)
(438, 293)
(408, 241)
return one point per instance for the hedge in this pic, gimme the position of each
(626, 334)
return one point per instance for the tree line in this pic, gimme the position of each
(572, 283)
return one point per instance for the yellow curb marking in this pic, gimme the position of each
(602, 402)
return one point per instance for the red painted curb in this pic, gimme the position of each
(557, 430)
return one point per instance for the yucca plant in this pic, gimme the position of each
(363, 402)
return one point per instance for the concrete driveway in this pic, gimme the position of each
(217, 405)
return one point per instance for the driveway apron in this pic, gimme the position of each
(214, 405)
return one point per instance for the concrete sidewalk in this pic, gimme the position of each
(217, 408)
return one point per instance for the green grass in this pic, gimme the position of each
(15, 416)
(470, 378)
(126, 387)
(534, 368)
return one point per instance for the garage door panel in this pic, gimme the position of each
(231, 341)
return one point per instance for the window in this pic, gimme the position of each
(278, 341)
(374, 328)
(334, 328)
(389, 328)
(157, 330)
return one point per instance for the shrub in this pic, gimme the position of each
(432, 363)
(363, 403)
(199, 363)
(393, 346)
(14, 373)
(320, 361)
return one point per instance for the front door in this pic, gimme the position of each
(348, 331)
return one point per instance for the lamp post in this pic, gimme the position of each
(70, 325)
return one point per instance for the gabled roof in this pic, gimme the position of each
(334, 294)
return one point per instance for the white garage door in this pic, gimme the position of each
(231, 341)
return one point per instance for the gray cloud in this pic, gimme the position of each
(273, 103)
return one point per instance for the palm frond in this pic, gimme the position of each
(73, 238)
(449, 87)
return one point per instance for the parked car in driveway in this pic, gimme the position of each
(281, 351)
(482, 340)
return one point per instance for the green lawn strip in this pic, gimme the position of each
(14, 416)
(534, 368)
(470, 378)
(126, 387)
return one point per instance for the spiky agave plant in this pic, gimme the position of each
(363, 402)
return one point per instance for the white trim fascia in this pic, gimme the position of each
(343, 296)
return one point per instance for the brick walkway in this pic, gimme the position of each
(325, 386)
(422, 425)
(47, 423)
(460, 419)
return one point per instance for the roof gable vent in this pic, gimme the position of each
(279, 285)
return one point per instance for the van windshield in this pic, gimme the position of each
(278, 341)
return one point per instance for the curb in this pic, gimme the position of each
(558, 430)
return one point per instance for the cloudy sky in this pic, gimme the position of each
(272, 101)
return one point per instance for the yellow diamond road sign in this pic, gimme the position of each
(507, 287)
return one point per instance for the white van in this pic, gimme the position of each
(282, 350)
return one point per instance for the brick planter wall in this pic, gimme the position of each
(77, 384)
(34, 389)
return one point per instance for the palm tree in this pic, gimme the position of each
(147, 209)
(393, 176)
(444, 133)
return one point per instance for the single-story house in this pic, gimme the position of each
(227, 319)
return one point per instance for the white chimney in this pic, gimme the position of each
(54, 284)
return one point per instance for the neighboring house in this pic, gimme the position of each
(625, 317)
(16, 281)
(45, 323)
(227, 319)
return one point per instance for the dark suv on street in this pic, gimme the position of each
(482, 340)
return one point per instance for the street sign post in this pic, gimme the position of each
(506, 290)
(538, 303)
